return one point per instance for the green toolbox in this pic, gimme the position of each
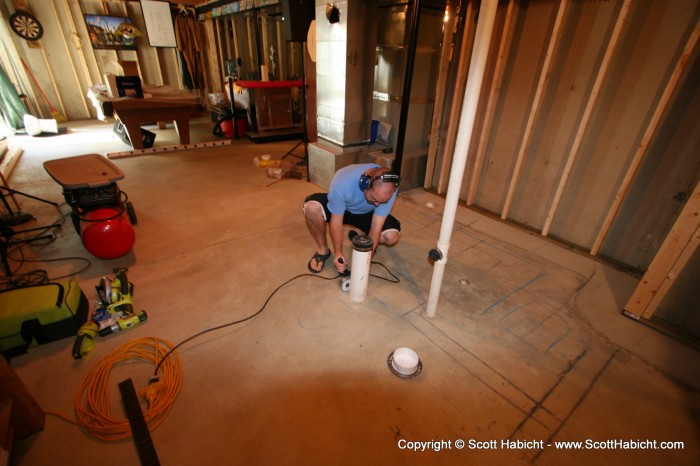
(39, 314)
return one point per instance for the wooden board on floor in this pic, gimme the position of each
(9, 159)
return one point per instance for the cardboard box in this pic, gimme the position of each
(7, 432)
(129, 86)
(26, 415)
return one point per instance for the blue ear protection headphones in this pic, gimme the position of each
(366, 180)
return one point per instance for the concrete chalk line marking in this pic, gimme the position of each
(540, 403)
(511, 293)
(418, 322)
(579, 402)
(552, 313)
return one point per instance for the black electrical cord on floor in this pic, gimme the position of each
(88, 264)
(14, 280)
(39, 276)
(160, 393)
(30, 278)
(394, 279)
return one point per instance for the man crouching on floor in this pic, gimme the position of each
(361, 196)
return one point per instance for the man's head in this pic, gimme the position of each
(379, 185)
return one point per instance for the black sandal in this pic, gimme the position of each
(319, 258)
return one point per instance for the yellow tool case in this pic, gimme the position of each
(39, 314)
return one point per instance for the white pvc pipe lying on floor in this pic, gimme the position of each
(484, 28)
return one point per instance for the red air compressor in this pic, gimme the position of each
(101, 214)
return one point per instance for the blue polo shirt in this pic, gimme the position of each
(344, 193)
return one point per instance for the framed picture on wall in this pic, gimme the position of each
(111, 32)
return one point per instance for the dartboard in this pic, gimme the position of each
(26, 26)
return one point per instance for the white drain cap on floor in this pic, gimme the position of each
(405, 363)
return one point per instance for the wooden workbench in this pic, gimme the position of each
(135, 112)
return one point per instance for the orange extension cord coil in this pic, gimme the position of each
(92, 403)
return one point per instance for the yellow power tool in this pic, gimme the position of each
(114, 311)
(85, 341)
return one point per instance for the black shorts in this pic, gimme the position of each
(360, 221)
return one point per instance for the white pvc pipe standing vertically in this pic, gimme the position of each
(484, 28)
(361, 260)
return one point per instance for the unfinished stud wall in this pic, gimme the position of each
(665, 179)
(681, 304)
(588, 122)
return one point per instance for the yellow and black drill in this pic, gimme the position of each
(114, 311)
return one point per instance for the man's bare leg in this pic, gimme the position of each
(313, 213)
(389, 237)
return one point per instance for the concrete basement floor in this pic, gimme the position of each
(528, 343)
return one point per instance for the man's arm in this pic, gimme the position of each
(336, 232)
(375, 231)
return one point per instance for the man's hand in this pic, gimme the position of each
(341, 263)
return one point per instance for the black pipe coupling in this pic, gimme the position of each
(435, 254)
